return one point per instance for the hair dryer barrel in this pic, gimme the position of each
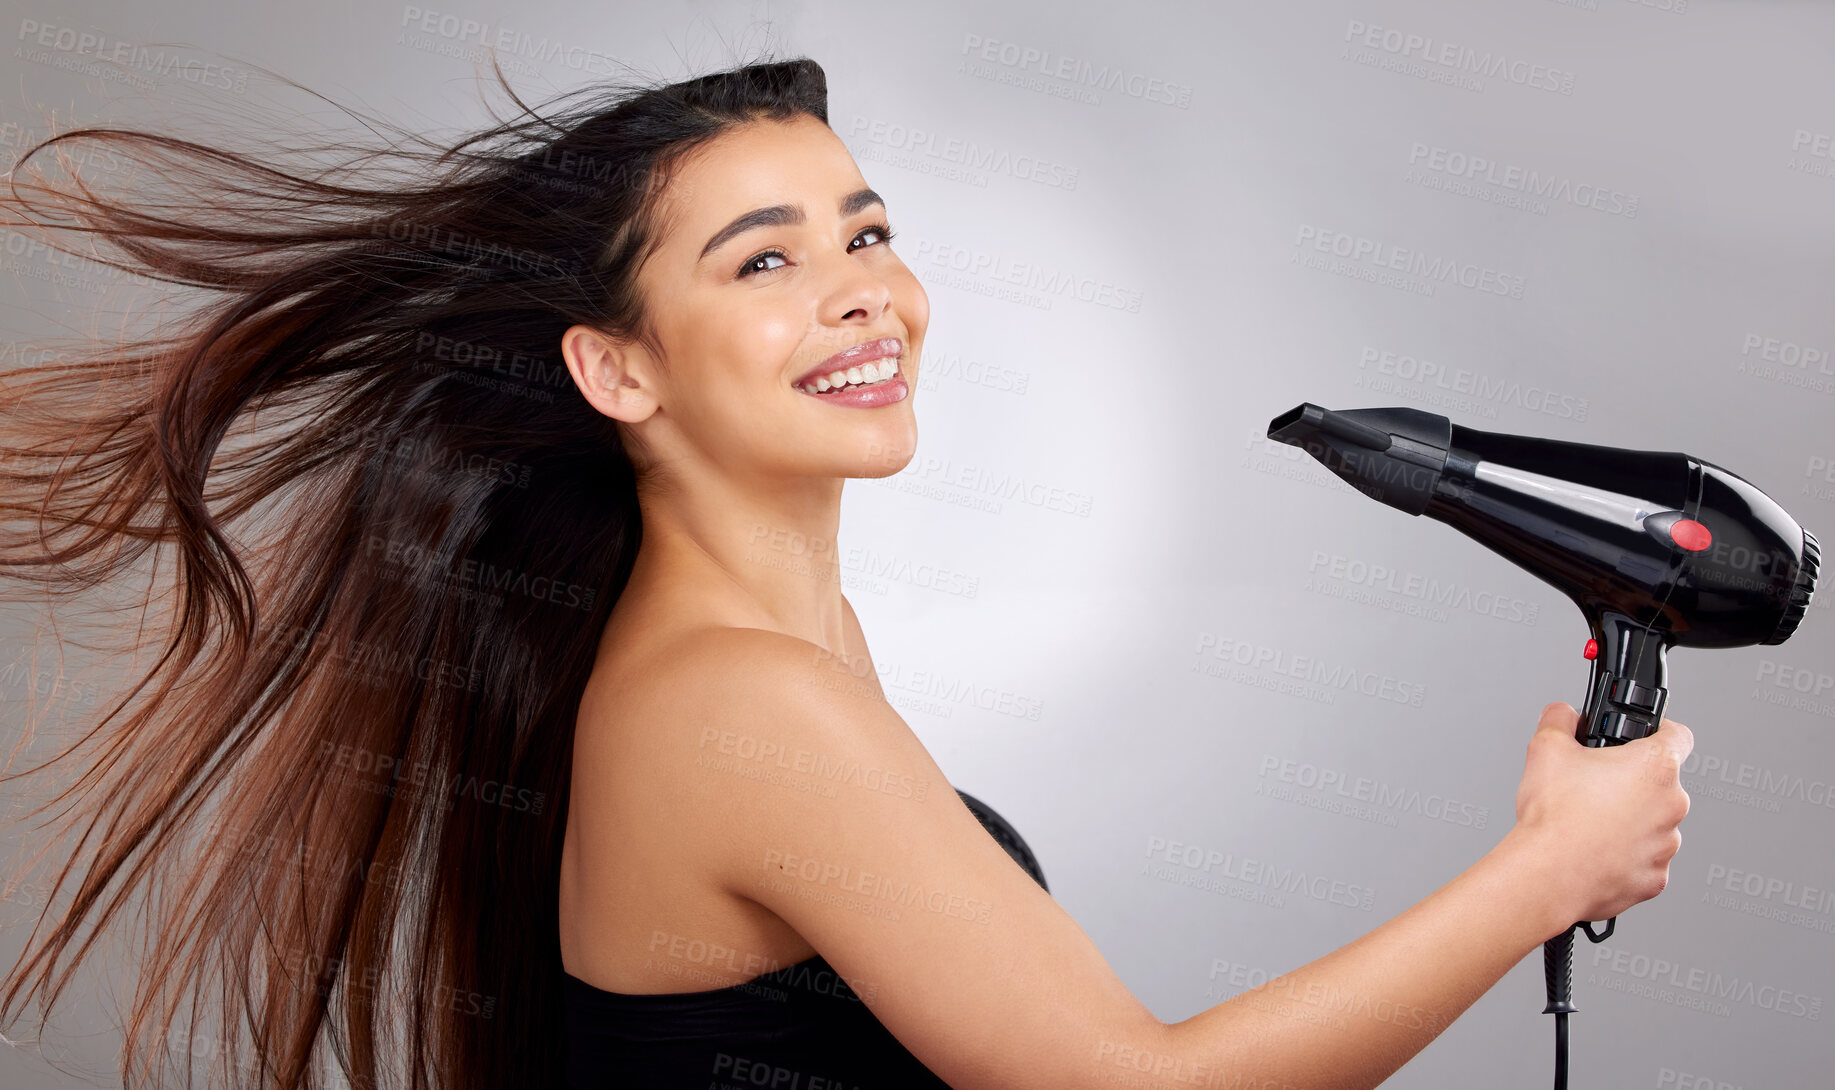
(1675, 544)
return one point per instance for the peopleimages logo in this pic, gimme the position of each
(67, 43)
(1802, 357)
(1381, 795)
(1780, 890)
(1039, 282)
(1218, 864)
(1476, 392)
(1820, 471)
(1755, 786)
(1452, 59)
(1787, 363)
(993, 487)
(1410, 264)
(1699, 989)
(1813, 153)
(1554, 187)
(924, 144)
(890, 567)
(1419, 589)
(1302, 675)
(503, 40)
(1083, 75)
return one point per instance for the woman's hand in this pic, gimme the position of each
(1608, 816)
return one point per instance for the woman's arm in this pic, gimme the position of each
(1595, 832)
(1356, 1015)
(983, 975)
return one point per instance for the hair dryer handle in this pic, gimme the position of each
(1628, 689)
(1624, 702)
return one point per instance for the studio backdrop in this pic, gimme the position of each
(1241, 714)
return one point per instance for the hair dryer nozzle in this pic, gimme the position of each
(1394, 456)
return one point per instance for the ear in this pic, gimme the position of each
(615, 376)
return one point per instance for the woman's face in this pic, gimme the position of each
(772, 260)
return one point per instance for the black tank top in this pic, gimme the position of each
(796, 1026)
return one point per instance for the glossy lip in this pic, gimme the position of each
(853, 357)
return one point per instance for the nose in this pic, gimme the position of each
(859, 292)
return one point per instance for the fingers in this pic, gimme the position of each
(1664, 750)
(1558, 718)
(1668, 746)
(1561, 718)
(1677, 737)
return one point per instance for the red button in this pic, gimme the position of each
(1592, 651)
(1691, 535)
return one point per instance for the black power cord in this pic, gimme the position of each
(1558, 971)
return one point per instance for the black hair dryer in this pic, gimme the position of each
(1657, 549)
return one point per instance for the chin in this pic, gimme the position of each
(884, 467)
(886, 456)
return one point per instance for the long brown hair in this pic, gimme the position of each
(336, 799)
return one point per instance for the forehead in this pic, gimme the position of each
(799, 161)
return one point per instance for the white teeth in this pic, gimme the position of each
(859, 375)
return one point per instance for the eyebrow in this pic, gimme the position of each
(781, 214)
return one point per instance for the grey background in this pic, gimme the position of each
(1051, 647)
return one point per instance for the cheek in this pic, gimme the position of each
(752, 327)
(908, 294)
(767, 337)
(915, 303)
(750, 348)
(745, 345)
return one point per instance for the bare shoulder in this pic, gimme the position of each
(710, 667)
(810, 797)
(715, 709)
(760, 706)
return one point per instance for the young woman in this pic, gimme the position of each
(535, 744)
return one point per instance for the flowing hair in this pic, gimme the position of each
(340, 789)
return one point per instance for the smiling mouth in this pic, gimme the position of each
(860, 376)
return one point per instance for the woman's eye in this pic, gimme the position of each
(884, 233)
(751, 265)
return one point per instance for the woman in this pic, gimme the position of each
(639, 814)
